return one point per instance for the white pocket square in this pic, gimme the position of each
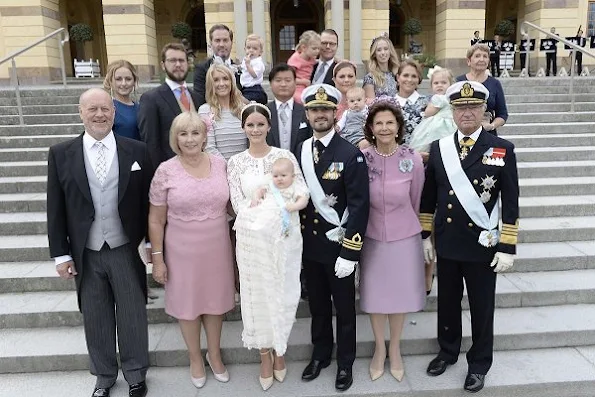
(302, 125)
(135, 167)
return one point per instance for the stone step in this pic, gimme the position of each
(556, 229)
(544, 169)
(546, 107)
(555, 186)
(579, 88)
(42, 100)
(36, 140)
(563, 371)
(29, 184)
(535, 207)
(535, 117)
(64, 348)
(24, 154)
(39, 109)
(570, 128)
(546, 98)
(59, 308)
(524, 154)
(37, 119)
(548, 139)
(23, 168)
(28, 131)
(23, 223)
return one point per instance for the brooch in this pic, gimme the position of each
(406, 165)
(330, 199)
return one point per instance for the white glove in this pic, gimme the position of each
(502, 262)
(344, 268)
(428, 249)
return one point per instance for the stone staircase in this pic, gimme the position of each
(545, 321)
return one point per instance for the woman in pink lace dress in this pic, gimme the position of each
(191, 247)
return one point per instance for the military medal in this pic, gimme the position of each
(488, 182)
(464, 153)
(315, 154)
(498, 156)
(330, 199)
(485, 196)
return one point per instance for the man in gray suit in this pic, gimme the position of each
(97, 209)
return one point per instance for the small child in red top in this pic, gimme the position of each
(303, 61)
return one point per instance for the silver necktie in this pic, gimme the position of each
(283, 114)
(101, 163)
(319, 72)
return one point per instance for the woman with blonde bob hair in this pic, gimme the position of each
(191, 246)
(221, 113)
(121, 81)
(382, 69)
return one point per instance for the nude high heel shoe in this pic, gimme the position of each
(199, 382)
(266, 383)
(375, 373)
(398, 374)
(223, 377)
(279, 374)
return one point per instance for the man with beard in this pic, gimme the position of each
(159, 106)
(221, 39)
(333, 228)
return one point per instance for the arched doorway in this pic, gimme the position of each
(396, 21)
(289, 19)
(196, 19)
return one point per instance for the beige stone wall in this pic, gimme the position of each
(375, 20)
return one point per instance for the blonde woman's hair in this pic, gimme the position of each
(235, 96)
(477, 47)
(306, 38)
(374, 68)
(447, 72)
(186, 121)
(111, 71)
(255, 37)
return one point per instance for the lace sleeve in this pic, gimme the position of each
(158, 190)
(300, 187)
(204, 111)
(234, 171)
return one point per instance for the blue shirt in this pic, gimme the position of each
(125, 122)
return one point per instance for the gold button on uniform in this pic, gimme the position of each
(315, 211)
(475, 181)
(448, 220)
(451, 193)
(315, 232)
(303, 227)
(303, 216)
(315, 220)
(449, 206)
(470, 224)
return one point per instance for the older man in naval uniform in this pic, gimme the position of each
(466, 175)
(333, 228)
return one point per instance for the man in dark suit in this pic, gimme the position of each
(221, 39)
(160, 106)
(289, 125)
(97, 208)
(466, 174)
(333, 227)
(322, 73)
(551, 56)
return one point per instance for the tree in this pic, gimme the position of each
(80, 33)
(504, 28)
(411, 28)
(181, 30)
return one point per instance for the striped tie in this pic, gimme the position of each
(101, 163)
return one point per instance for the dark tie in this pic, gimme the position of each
(317, 151)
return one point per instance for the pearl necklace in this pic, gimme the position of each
(386, 155)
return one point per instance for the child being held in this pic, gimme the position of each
(438, 121)
(303, 61)
(281, 193)
(253, 70)
(351, 124)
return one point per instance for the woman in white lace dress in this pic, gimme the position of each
(269, 263)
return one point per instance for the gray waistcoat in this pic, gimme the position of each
(107, 226)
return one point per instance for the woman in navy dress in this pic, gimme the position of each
(121, 81)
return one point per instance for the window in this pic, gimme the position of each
(591, 19)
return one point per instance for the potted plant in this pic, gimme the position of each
(426, 61)
(81, 33)
(505, 28)
(413, 27)
(181, 30)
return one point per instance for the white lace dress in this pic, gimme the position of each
(269, 263)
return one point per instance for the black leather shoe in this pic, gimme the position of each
(344, 379)
(100, 392)
(437, 367)
(138, 390)
(474, 382)
(313, 369)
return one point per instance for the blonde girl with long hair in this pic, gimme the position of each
(303, 61)
(121, 81)
(382, 69)
(221, 113)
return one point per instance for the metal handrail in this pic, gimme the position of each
(569, 44)
(13, 74)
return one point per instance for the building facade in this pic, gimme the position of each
(136, 29)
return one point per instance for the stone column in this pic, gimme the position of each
(241, 26)
(258, 24)
(355, 31)
(24, 24)
(130, 34)
(452, 36)
(337, 23)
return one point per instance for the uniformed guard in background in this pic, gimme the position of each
(466, 175)
(333, 228)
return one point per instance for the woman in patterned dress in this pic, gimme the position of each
(412, 103)
(382, 69)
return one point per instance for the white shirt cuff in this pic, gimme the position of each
(148, 244)
(62, 259)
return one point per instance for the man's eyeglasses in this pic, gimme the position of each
(328, 44)
(173, 61)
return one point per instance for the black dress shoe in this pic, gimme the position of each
(437, 367)
(344, 379)
(474, 382)
(138, 390)
(313, 369)
(100, 392)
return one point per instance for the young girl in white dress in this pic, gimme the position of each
(438, 121)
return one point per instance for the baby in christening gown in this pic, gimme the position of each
(280, 194)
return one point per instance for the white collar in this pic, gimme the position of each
(473, 136)
(173, 85)
(326, 140)
(289, 103)
(109, 141)
(411, 99)
(328, 63)
(217, 59)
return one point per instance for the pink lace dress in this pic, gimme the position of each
(197, 246)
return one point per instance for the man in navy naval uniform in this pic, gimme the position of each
(333, 228)
(466, 174)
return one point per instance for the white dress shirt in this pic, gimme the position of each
(326, 140)
(411, 98)
(285, 131)
(473, 136)
(91, 152)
